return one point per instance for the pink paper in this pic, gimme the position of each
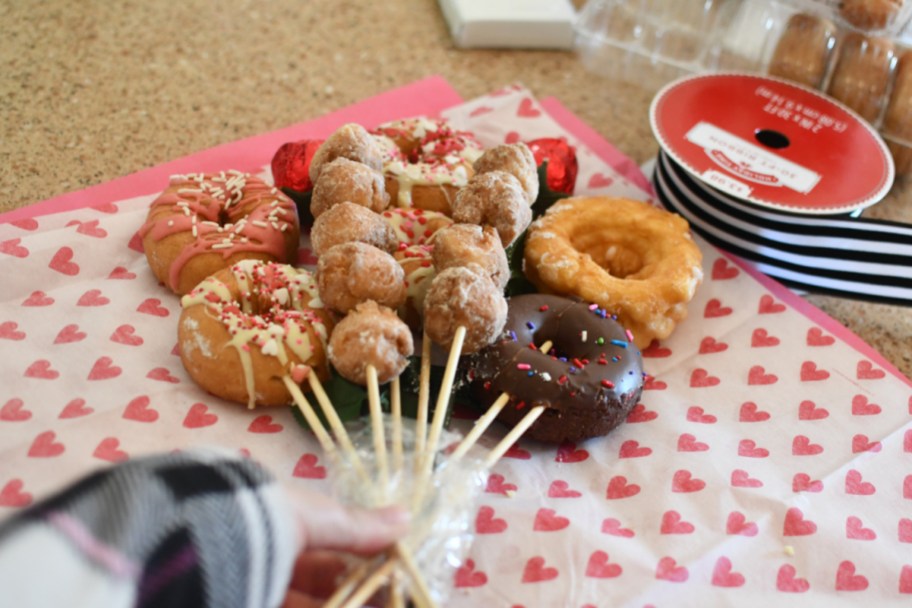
(770, 458)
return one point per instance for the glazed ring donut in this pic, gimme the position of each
(588, 383)
(635, 260)
(203, 223)
(246, 327)
(426, 162)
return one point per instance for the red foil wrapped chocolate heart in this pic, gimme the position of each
(562, 164)
(291, 164)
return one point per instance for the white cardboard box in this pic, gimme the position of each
(533, 24)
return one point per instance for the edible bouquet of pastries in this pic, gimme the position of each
(442, 272)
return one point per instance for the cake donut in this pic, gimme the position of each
(587, 383)
(370, 335)
(803, 51)
(202, 223)
(426, 161)
(636, 261)
(862, 74)
(244, 328)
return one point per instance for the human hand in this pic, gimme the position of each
(327, 531)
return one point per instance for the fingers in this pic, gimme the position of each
(355, 530)
(325, 524)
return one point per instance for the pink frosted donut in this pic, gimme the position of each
(203, 223)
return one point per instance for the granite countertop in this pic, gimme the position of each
(95, 90)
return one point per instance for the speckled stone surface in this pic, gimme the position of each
(97, 89)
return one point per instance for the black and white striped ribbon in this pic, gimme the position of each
(855, 258)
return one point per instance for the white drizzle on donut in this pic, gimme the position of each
(417, 280)
(226, 213)
(413, 229)
(410, 226)
(273, 313)
(436, 154)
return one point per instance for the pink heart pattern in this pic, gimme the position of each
(751, 398)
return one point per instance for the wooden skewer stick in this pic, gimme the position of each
(369, 585)
(310, 416)
(396, 597)
(440, 409)
(349, 583)
(513, 436)
(420, 592)
(427, 457)
(482, 424)
(376, 415)
(424, 390)
(396, 413)
(335, 423)
(422, 595)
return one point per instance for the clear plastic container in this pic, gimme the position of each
(856, 51)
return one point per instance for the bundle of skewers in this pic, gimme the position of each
(456, 269)
(408, 463)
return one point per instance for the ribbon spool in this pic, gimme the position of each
(775, 173)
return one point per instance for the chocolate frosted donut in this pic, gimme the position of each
(588, 382)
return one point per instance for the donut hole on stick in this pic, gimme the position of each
(344, 180)
(348, 222)
(464, 244)
(355, 272)
(516, 159)
(464, 297)
(350, 141)
(495, 199)
(370, 335)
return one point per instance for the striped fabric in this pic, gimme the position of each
(838, 255)
(189, 529)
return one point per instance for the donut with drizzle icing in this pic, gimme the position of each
(244, 328)
(426, 161)
(203, 223)
(588, 382)
(414, 230)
